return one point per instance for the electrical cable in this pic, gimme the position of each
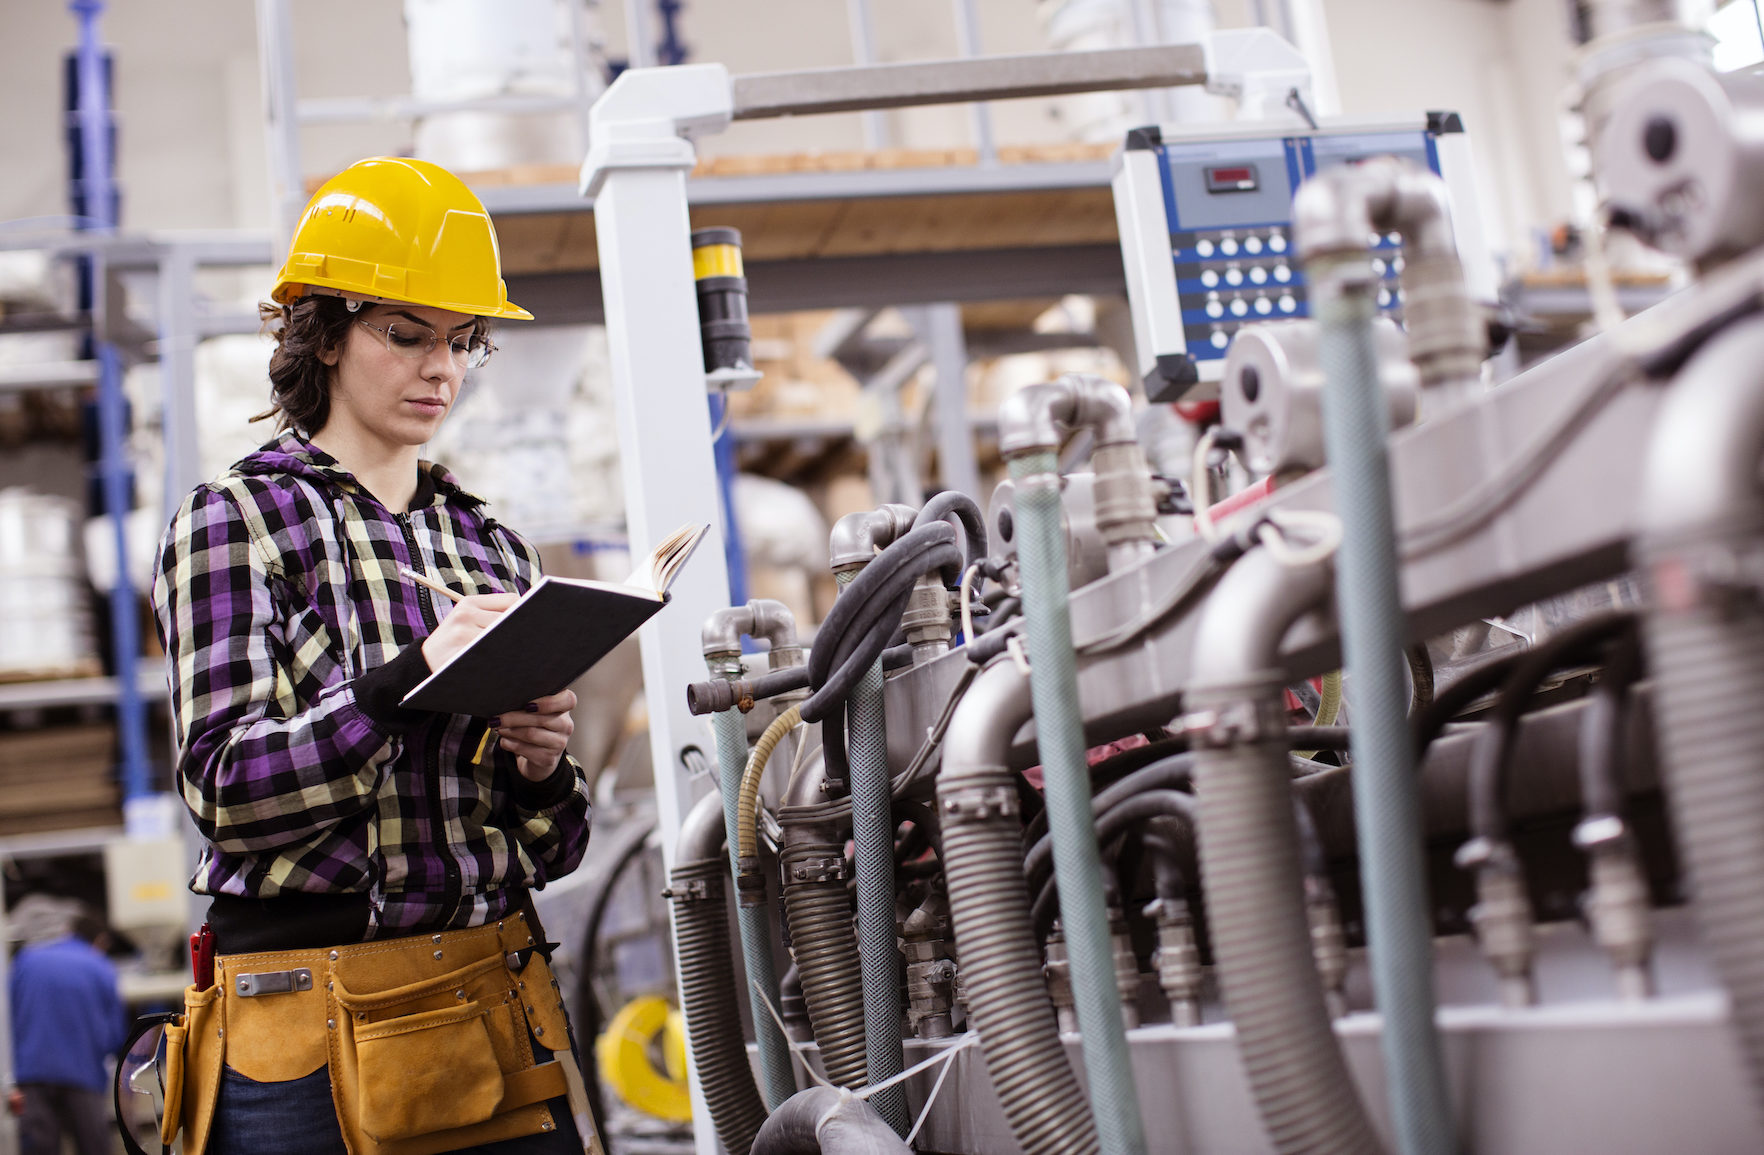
(1604, 729)
(1111, 824)
(1491, 759)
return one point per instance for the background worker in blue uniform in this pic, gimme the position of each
(67, 1022)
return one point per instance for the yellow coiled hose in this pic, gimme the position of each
(747, 805)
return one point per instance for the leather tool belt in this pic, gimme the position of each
(426, 1038)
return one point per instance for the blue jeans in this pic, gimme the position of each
(298, 1118)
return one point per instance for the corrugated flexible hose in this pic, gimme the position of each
(1001, 966)
(1703, 523)
(713, 1018)
(819, 909)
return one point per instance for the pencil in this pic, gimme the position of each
(430, 583)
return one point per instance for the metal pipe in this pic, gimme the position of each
(1037, 419)
(1000, 963)
(1702, 518)
(1399, 926)
(707, 998)
(827, 1120)
(857, 536)
(1250, 865)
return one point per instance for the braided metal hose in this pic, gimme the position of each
(872, 829)
(754, 922)
(1059, 729)
(1399, 921)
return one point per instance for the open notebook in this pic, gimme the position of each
(552, 635)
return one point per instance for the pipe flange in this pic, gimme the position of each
(1239, 723)
(828, 869)
(979, 803)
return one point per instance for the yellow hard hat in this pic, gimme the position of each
(393, 229)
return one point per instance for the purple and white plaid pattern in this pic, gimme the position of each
(278, 587)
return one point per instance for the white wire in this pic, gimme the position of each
(1324, 530)
(967, 611)
(967, 1041)
(723, 421)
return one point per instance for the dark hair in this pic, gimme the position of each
(300, 381)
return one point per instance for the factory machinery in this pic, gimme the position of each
(1129, 815)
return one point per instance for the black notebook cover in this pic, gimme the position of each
(538, 646)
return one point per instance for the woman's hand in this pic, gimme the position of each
(465, 621)
(537, 735)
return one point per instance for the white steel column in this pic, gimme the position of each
(636, 172)
(177, 373)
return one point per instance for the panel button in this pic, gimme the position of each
(1228, 246)
(1234, 277)
(1252, 245)
(1282, 273)
(1215, 309)
(1210, 278)
(1219, 339)
(1204, 248)
(1264, 306)
(1287, 303)
(1277, 243)
(1258, 275)
(1239, 307)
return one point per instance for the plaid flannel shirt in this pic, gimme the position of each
(290, 639)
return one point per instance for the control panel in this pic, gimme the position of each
(1206, 234)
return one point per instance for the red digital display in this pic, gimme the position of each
(1232, 178)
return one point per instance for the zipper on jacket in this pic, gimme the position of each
(454, 887)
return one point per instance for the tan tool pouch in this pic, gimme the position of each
(428, 1043)
(199, 1071)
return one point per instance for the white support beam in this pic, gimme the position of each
(636, 171)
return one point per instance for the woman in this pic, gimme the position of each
(379, 983)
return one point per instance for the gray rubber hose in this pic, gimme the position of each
(1250, 867)
(707, 996)
(1702, 514)
(755, 924)
(826, 1121)
(1399, 922)
(1059, 728)
(989, 902)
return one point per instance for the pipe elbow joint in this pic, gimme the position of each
(721, 635)
(857, 536)
(1237, 640)
(1037, 418)
(772, 620)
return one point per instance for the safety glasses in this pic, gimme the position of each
(139, 1092)
(409, 339)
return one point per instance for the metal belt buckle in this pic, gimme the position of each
(273, 982)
